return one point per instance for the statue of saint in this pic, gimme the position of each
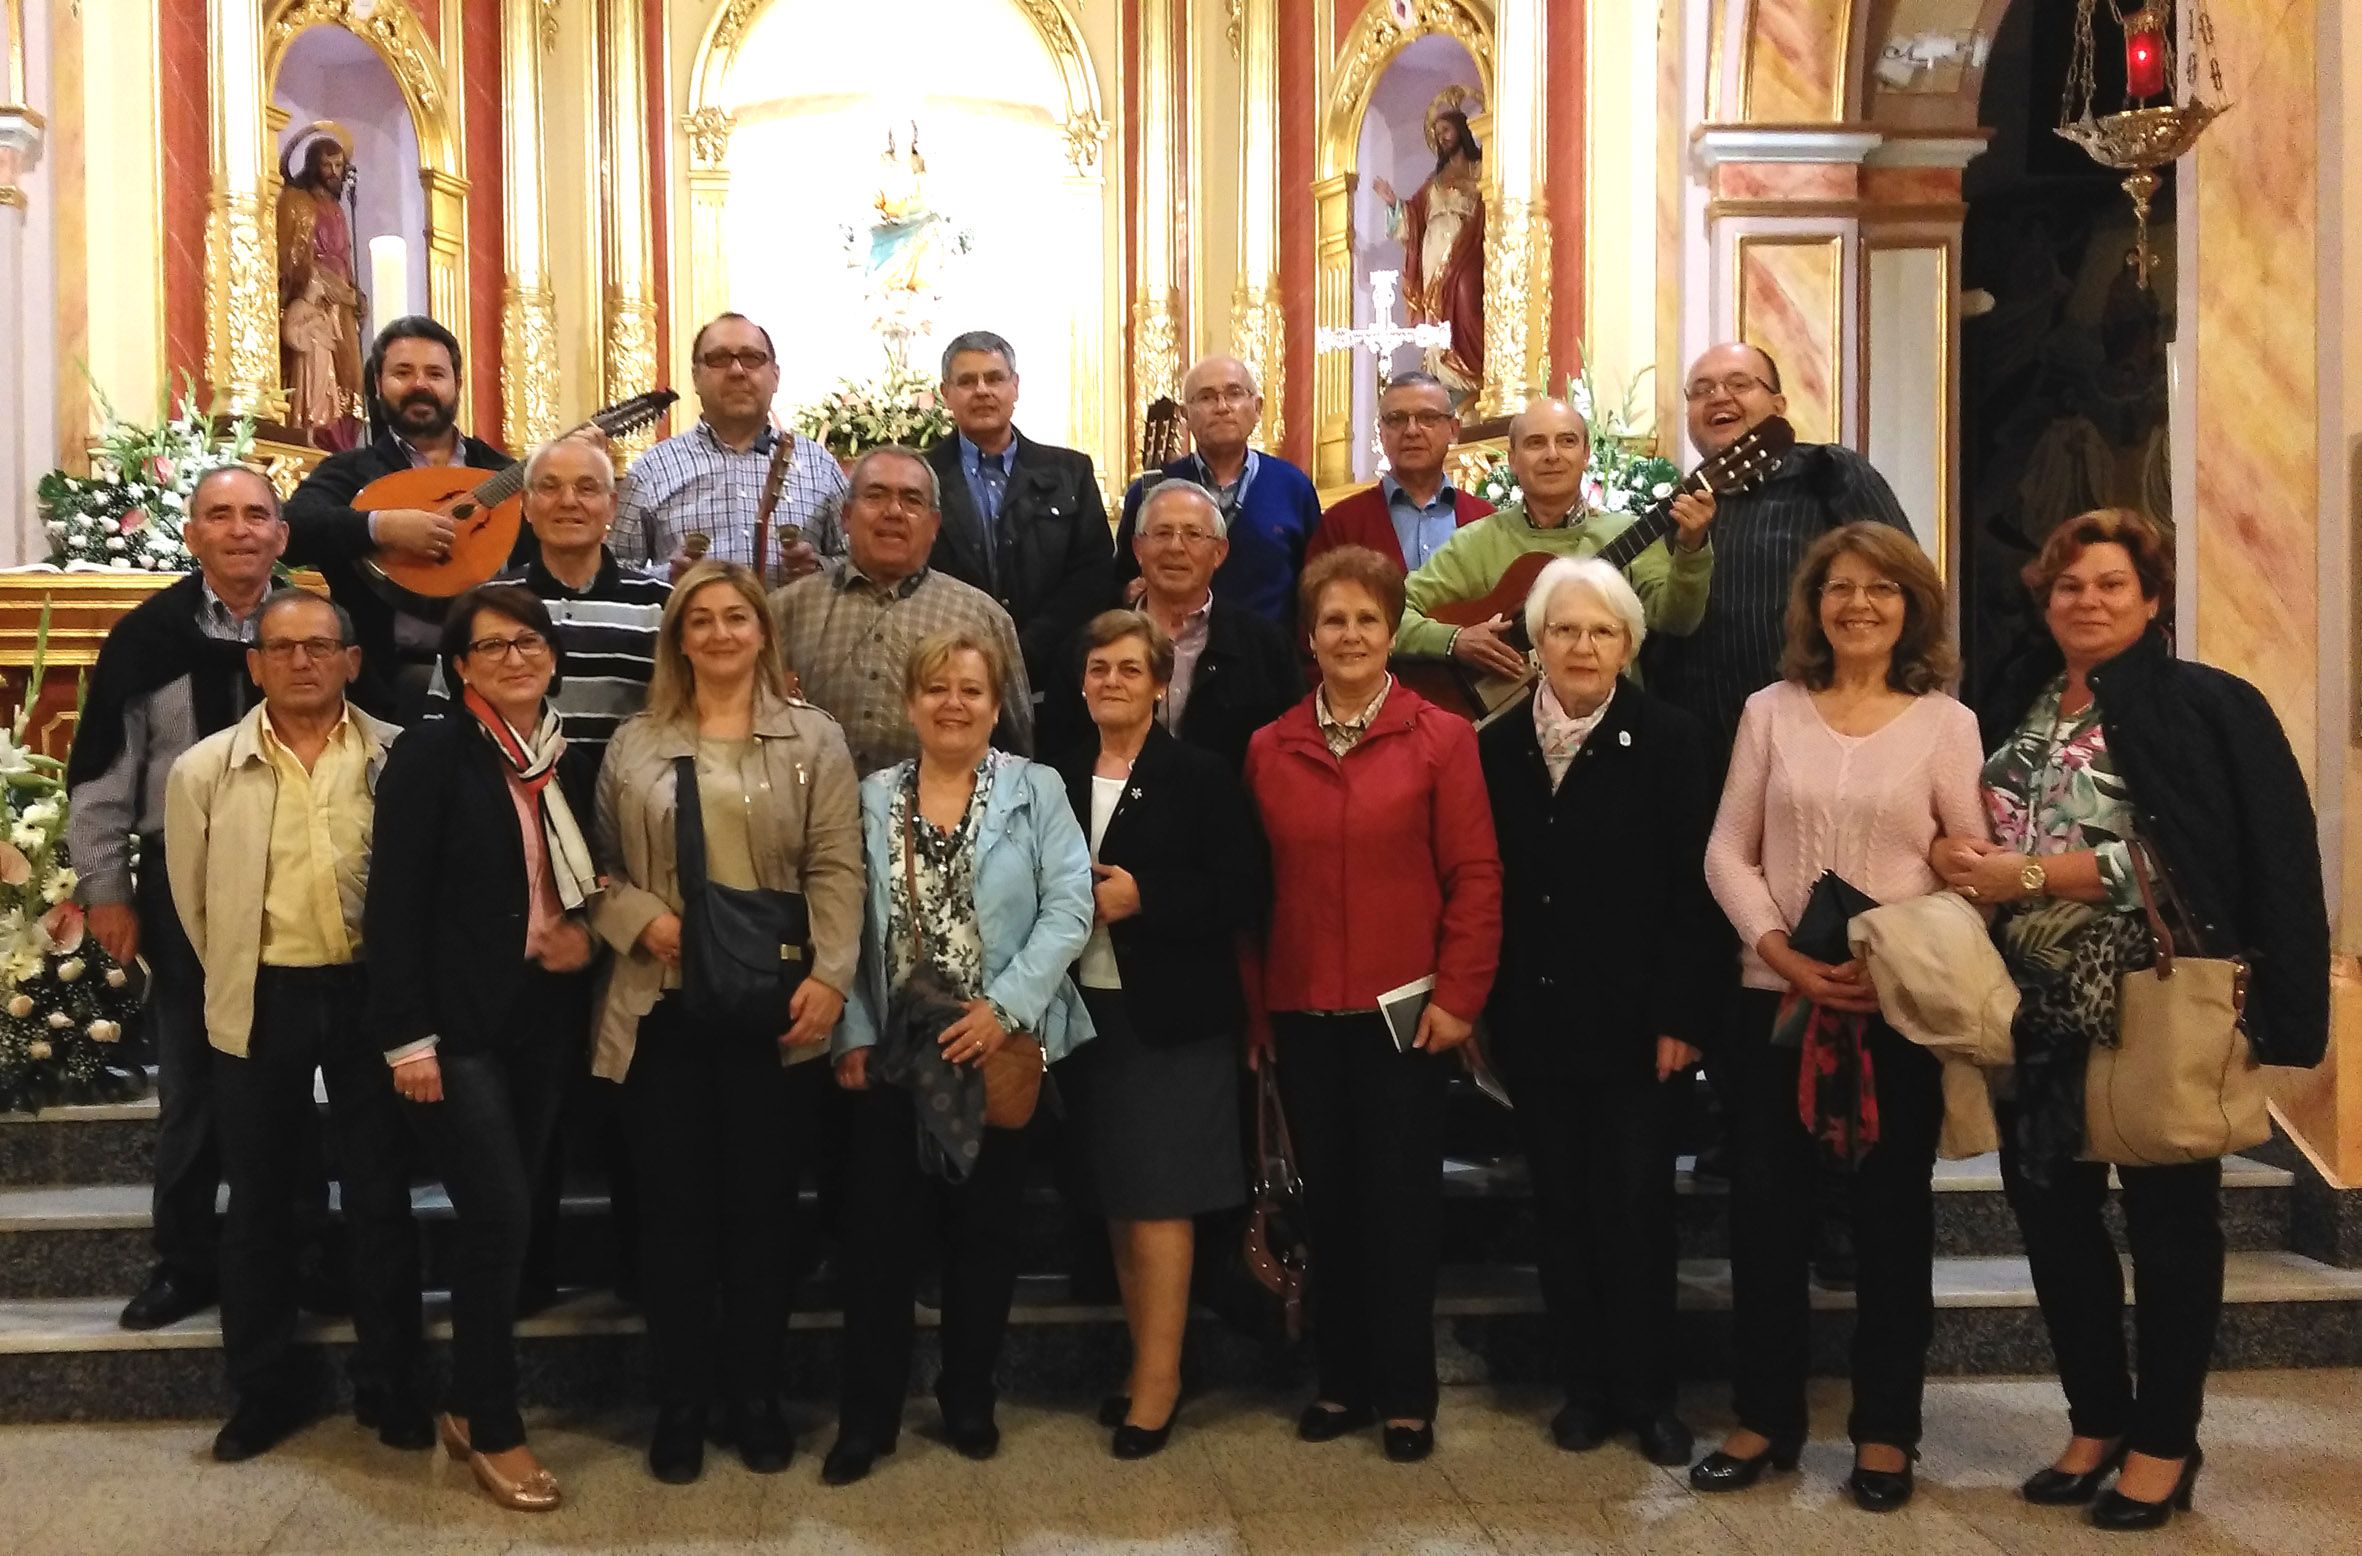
(319, 294)
(904, 249)
(1442, 233)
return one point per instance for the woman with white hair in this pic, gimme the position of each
(1613, 965)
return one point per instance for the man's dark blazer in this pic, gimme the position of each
(325, 531)
(1055, 550)
(1609, 937)
(1246, 677)
(445, 919)
(1186, 831)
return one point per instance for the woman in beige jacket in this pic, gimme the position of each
(719, 1120)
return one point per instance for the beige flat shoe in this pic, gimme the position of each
(535, 1492)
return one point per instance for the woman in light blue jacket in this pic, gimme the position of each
(980, 883)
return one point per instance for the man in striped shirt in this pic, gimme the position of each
(607, 615)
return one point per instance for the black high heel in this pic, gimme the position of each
(1140, 1442)
(2051, 1486)
(1720, 1471)
(2115, 1510)
(1882, 1491)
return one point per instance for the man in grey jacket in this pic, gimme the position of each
(171, 672)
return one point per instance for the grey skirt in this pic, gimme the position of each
(1159, 1124)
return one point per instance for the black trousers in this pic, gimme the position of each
(1772, 1188)
(487, 1138)
(2173, 1222)
(306, 1019)
(1367, 1122)
(892, 1208)
(718, 1127)
(1601, 1156)
(188, 1163)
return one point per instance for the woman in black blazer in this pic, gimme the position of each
(1613, 961)
(1178, 870)
(479, 988)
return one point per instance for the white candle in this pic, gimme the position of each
(389, 282)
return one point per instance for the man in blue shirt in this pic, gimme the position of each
(1268, 505)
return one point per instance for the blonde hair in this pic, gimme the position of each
(939, 649)
(672, 694)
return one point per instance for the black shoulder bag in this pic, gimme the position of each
(742, 952)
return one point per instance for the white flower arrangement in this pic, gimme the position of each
(1626, 474)
(125, 516)
(899, 406)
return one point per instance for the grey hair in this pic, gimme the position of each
(899, 451)
(1179, 487)
(533, 460)
(978, 340)
(1246, 370)
(1601, 580)
(1517, 422)
(281, 599)
(1414, 379)
(197, 491)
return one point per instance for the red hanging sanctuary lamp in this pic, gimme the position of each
(2140, 139)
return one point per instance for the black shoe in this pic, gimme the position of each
(2054, 1487)
(1720, 1471)
(676, 1448)
(2115, 1510)
(849, 1459)
(1410, 1444)
(1582, 1425)
(766, 1444)
(396, 1415)
(1665, 1439)
(1140, 1442)
(166, 1299)
(258, 1425)
(1881, 1491)
(973, 1436)
(1321, 1424)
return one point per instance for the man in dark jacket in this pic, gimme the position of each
(414, 383)
(1023, 521)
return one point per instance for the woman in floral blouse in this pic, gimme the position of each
(2118, 738)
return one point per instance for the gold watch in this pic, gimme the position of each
(2034, 879)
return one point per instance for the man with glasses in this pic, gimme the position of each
(1268, 505)
(1414, 508)
(696, 493)
(847, 630)
(267, 825)
(1023, 521)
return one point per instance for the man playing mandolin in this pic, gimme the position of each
(413, 376)
(1549, 449)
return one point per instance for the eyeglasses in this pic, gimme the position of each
(1736, 385)
(282, 651)
(1567, 632)
(1226, 394)
(530, 647)
(1884, 591)
(753, 359)
(1176, 535)
(1395, 421)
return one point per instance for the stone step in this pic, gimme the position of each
(65, 1359)
(92, 1239)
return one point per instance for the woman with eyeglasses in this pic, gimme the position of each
(479, 883)
(1852, 764)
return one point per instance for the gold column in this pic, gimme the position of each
(630, 291)
(1332, 308)
(1156, 307)
(1517, 218)
(709, 202)
(241, 279)
(529, 412)
(1258, 330)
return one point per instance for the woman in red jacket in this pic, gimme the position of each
(1384, 871)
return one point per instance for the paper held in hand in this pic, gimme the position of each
(1403, 1007)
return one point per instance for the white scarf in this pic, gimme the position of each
(1561, 735)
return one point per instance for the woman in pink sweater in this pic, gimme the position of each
(1853, 765)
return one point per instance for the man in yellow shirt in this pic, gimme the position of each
(267, 829)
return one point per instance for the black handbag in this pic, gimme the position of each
(743, 953)
(1820, 931)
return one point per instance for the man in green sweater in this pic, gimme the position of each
(1549, 449)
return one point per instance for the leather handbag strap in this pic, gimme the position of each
(688, 830)
(1275, 1155)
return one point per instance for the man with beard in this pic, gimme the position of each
(413, 375)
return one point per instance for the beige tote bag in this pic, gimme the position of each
(2178, 1084)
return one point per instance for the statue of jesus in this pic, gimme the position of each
(1442, 232)
(320, 298)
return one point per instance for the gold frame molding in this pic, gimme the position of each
(1834, 305)
(1945, 246)
(1369, 46)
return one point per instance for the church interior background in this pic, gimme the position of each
(1867, 188)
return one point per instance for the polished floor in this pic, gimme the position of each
(2282, 1477)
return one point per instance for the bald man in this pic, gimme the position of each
(1549, 448)
(1268, 505)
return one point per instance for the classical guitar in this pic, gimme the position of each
(1448, 683)
(1164, 437)
(489, 508)
(783, 447)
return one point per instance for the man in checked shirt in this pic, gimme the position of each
(708, 481)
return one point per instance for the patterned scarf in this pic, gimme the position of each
(1836, 1084)
(533, 760)
(1562, 734)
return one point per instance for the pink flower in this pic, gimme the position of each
(15, 868)
(132, 519)
(160, 472)
(63, 925)
(926, 399)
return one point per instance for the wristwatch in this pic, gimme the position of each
(2034, 879)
